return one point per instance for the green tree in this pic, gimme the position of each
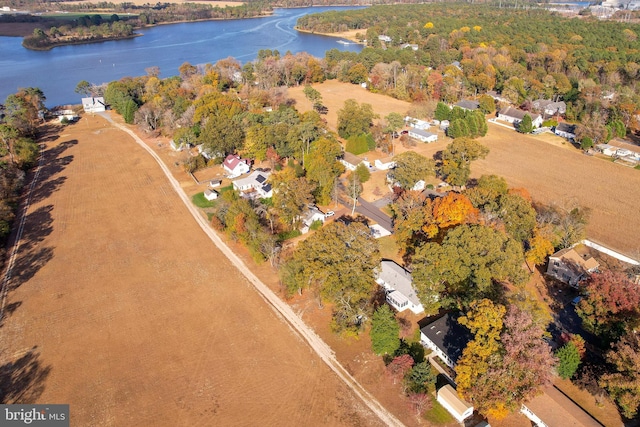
(354, 118)
(443, 112)
(586, 143)
(526, 125)
(337, 263)
(569, 360)
(323, 167)
(487, 104)
(421, 378)
(457, 158)
(220, 119)
(362, 171)
(394, 122)
(518, 216)
(470, 260)
(384, 331)
(83, 88)
(291, 196)
(411, 167)
(357, 144)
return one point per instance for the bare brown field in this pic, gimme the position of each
(121, 306)
(547, 166)
(334, 93)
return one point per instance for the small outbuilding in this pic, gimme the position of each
(210, 194)
(457, 407)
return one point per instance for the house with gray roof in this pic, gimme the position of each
(254, 185)
(565, 130)
(398, 286)
(515, 116)
(422, 135)
(468, 105)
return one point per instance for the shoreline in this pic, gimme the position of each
(78, 42)
(347, 35)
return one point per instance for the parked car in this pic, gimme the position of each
(329, 213)
(576, 301)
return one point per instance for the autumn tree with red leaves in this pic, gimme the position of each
(611, 306)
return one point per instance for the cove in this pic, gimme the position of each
(58, 71)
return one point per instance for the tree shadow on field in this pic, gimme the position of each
(9, 309)
(22, 380)
(54, 163)
(31, 257)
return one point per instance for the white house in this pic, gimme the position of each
(384, 164)
(515, 116)
(384, 38)
(254, 185)
(397, 283)
(93, 104)
(235, 166)
(423, 135)
(312, 215)
(175, 146)
(446, 338)
(350, 161)
(570, 267)
(566, 130)
(210, 194)
(607, 149)
(416, 123)
(449, 399)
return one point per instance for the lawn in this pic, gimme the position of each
(437, 414)
(200, 201)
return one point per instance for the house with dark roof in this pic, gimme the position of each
(565, 130)
(235, 166)
(398, 286)
(468, 105)
(446, 337)
(515, 116)
(254, 185)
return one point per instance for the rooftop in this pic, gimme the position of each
(398, 278)
(448, 335)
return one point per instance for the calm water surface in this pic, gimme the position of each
(58, 71)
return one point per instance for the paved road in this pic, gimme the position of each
(372, 212)
(280, 307)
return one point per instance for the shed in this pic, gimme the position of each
(210, 194)
(457, 407)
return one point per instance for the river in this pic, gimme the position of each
(58, 71)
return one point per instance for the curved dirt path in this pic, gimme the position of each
(279, 306)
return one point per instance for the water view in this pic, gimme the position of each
(58, 71)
